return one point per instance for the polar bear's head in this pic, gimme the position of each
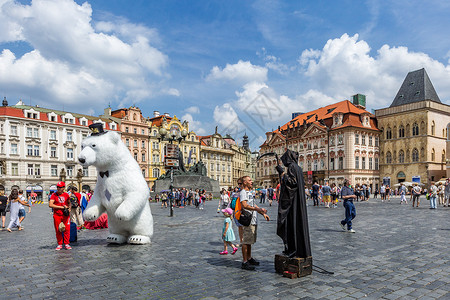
(101, 150)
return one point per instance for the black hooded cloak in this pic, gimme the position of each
(292, 223)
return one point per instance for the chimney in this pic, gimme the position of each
(155, 113)
(5, 103)
(167, 115)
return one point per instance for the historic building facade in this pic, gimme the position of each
(189, 147)
(39, 147)
(217, 155)
(135, 133)
(413, 143)
(334, 142)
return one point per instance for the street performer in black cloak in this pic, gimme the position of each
(292, 223)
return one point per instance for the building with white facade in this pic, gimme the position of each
(39, 147)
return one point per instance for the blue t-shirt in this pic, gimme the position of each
(326, 190)
(346, 191)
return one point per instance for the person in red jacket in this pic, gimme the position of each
(58, 202)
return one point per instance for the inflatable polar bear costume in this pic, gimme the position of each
(121, 189)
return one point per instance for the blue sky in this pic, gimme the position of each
(243, 66)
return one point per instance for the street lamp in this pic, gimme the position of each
(174, 134)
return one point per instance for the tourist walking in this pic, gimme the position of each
(402, 190)
(3, 204)
(388, 193)
(164, 200)
(315, 193)
(14, 210)
(383, 193)
(326, 192)
(334, 194)
(441, 193)
(348, 195)
(416, 191)
(227, 232)
(250, 232)
(433, 195)
(262, 194)
(447, 192)
(270, 193)
(22, 212)
(60, 203)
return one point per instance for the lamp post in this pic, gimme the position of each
(173, 135)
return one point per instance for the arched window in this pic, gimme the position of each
(401, 131)
(415, 155)
(388, 133)
(433, 155)
(415, 130)
(433, 128)
(156, 172)
(388, 157)
(401, 156)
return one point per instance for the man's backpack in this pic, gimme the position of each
(73, 201)
(242, 216)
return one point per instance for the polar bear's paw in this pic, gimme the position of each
(116, 239)
(91, 214)
(123, 213)
(138, 239)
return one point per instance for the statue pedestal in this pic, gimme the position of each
(300, 266)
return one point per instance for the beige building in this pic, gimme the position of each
(413, 143)
(334, 142)
(217, 155)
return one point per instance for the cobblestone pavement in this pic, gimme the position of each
(397, 252)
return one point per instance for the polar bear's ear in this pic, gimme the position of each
(115, 138)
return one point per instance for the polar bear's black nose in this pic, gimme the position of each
(82, 160)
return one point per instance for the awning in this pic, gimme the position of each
(35, 188)
(53, 188)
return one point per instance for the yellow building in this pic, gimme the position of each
(188, 147)
(413, 142)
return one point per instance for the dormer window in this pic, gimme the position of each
(32, 114)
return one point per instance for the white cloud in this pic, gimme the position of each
(193, 110)
(74, 63)
(194, 125)
(173, 92)
(344, 67)
(273, 63)
(242, 71)
(227, 118)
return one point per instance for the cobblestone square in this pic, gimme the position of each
(397, 252)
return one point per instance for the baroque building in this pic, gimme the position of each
(189, 147)
(39, 147)
(414, 126)
(334, 142)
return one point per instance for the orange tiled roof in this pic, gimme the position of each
(157, 121)
(326, 112)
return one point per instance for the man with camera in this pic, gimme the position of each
(60, 204)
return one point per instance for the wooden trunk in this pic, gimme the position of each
(301, 266)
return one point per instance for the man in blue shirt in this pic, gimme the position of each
(315, 193)
(350, 212)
